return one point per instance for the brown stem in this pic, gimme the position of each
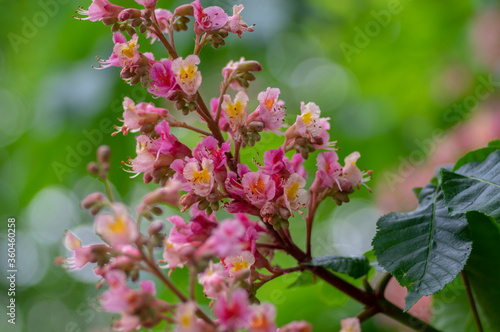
(472, 303)
(311, 211)
(171, 51)
(154, 270)
(185, 125)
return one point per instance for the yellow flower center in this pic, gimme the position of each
(201, 176)
(257, 186)
(187, 74)
(128, 51)
(291, 193)
(235, 110)
(269, 103)
(259, 321)
(186, 320)
(242, 264)
(307, 117)
(119, 226)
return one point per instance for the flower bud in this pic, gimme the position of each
(103, 154)
(131, 31)
(155, 227)
(245, 66)
(93, 199)
(203, 205)
(136, 22)
(129, 14)
(92, 168)
(184, 10)
(109, 20)
(256, 126)
(156, 210)
(284, 212)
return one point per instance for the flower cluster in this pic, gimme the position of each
(230, 258)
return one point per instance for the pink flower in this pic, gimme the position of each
(322, 141)
(235, 24)
(214, 280)
(162, 79)
(225, 239)
(350, 324)
(149, 4)
(113, 60)
(200, 177)
(262, 319)
(296, 326)
(127, 53)
(100, 9)
(163, 17)
(352, 173)
(136, 116)
(208, 149)
(308, 124)
(233, 310)
(239, 263)
(242, 66)
(258, 187)
(82, 255)
(275, 163)
(186, 317)
(117, 228)
(270, 111)
(236, 112)
(328, 168)
(297, 164)
(186, 73)
(295, 197)
(208, 19)
(176, 254)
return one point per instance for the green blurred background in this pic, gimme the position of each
(387, 73)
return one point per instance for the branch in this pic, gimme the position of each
(472, 303)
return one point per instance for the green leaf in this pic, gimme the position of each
(355, 267)
(483, 267)
(451, 309)
(306, 278)
(477, 155)
(494, 144)
(474, 187)
(424, 249)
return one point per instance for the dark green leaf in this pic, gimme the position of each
(451, 310)
(494, 144)
(483, 267)
(417, 191)
(424, 249)
(306, 278)
(474, 187)
(356, 267)
(477, 155)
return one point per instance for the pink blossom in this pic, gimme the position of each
(275, 163)
(82, 255)
(298, 165)
(117, 228)
(118, 38)
(168, 144)
(187, 74)
(214, 280)
(236, 111)
(350, 324)
(208, 19)
(295, 197)
(270, 111)
(241, 262)
(258, 187)
(200, 177)
(149, 4)
(135, 116)
(235, 23)
(322, 141)
(162, 78)
(208, 149)
(242, 66)
(296, 326)
(186, 317)
(176, 254)
(225, 239)
(328, 168)
(262, 318)
(100, 9)
(127, 53)
(352, 173)
(233, 310)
